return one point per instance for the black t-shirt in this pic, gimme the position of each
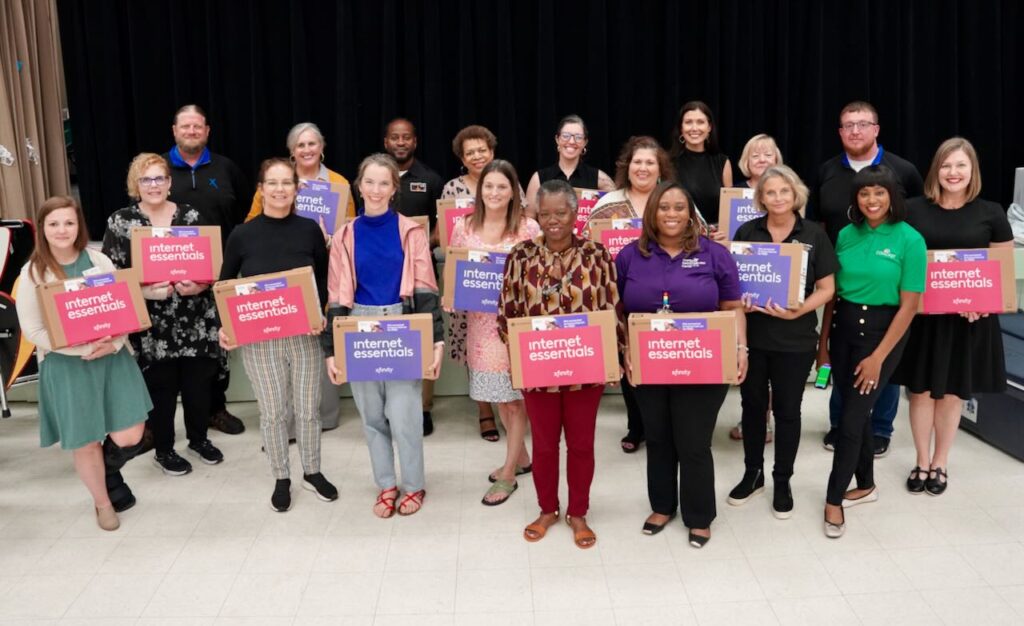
(267, 244)
(977, 224)
(700, 173)
(765, 332)
(421, 187)
(583, 177)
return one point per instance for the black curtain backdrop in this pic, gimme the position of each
(933, 68)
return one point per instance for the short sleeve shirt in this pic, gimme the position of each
(977, 224)
(696, 282)
(876, 264)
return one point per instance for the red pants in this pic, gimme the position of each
(576, 412)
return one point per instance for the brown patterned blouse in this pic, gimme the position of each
(579, 279)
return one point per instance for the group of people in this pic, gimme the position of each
(866, 256)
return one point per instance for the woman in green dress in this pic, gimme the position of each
(86, 392)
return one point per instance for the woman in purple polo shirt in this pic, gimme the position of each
(672, 265)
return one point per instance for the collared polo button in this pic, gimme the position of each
(864, 307)
(862, 334)
(862, 320)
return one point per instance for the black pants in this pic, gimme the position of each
(787, 374)
(634, 424)
(856, 332)
(218, 392)
(679, 421)
(193, 378)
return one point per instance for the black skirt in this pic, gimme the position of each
(946, 354)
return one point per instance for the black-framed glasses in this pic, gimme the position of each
(566, 136)
(153, 181)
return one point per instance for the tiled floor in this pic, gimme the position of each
(206, 548)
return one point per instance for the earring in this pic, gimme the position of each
(584, 151)
(849, 214)
(321, 157)
(681, 140)
(291, 159)
(463, 170)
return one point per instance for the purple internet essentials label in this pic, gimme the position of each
(184, 231)
(315, 201)
(99, 280)
(763, 277)
(741, 211)
(383, 356)
(972, 255)
(691, 324)
(478, 284)
(271, 284)
(571, 321)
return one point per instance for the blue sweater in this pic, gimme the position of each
(379, 259)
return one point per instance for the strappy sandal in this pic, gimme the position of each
(584, 539)
(491, 434)
(536, 531)
(384, 507)
(936, 487)
(414, 501)
(520, 470)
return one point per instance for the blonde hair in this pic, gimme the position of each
(787, 174)
(932, 189)
(138, 167)
(761, 139)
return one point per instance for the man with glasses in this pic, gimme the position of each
(214, 185)
(829, 202)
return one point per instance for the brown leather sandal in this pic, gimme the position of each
(535, 532)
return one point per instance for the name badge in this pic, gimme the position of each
(418, 187)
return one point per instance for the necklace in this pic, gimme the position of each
(555, 272)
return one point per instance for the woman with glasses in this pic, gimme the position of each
(571, 140)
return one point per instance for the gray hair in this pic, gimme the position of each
(298, 129)
(555, 187)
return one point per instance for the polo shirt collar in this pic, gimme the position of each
(762, 224)
(876, 161)
(178, 161)
(884, 228)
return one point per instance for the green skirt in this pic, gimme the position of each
(81, 401)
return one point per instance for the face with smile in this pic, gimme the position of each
(955, 173)
(643, 169)
(571, 141)
(695, 129)
(61, 230)
(154, 185)
(377, 187)
(496, 192)
(777, 196)
(278, 189)
(476, 155)
(858, 131)
(673, 216)
(190, 132)
(556, 218)
(400, 141)
(761, 158)
(308, 151)
(874, 202)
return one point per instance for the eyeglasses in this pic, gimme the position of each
(153, 181)
(277, 184)
(849, 126)
(571, 136)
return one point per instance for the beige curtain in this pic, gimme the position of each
(33, 162)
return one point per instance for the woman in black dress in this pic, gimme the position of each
(949, 358)
(701, 167)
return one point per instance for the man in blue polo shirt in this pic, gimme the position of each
(829, 202)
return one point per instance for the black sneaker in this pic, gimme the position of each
(881, 446)
(750, 485)
(227, 423)
(782, 500)
(320, 486)
(206, 451)
(171, 463)
(831, 437)
(428, 423)
(281, 499)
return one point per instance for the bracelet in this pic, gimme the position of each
(745, 348)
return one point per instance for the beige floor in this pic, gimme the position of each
(206, 548)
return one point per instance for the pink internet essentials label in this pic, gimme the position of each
(562, 356)
(963, 281)
(91, 313)
(617, 239)
(262, 315)
(180, 255)
(461, 209)
(585, 204)
(673, 356)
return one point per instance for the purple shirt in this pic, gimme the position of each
(695, 282)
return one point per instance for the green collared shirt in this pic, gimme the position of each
(876, 264)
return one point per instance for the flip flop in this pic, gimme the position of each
(520, 470)
(538, 530)
(500, 487)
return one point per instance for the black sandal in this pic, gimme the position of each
(491, 434)
(631, 443)
(934, 486)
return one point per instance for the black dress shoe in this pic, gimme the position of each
(651, 528)
(915, 484)
(934, 486)
(428, 423)
(698, 541)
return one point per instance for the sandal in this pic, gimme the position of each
(491, 434)
(583, 539)
(411, 502)
(384, 507)
(500, 487)
(520, 470)
(630, 443)
(535, 532)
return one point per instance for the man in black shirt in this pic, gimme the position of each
(214, 185)
(421, 187)
(829, 203)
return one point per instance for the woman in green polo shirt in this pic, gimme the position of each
(879, 283)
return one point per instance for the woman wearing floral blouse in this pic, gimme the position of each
(179, 353)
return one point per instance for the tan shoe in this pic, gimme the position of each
(106, 518)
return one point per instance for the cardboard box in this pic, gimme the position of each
(319, 200)
(176, 253)
(585, 200)
(616, 234)
(735, 208)
(396, 347)
(447, 210)
(771, 271)
(683, 348)
(80, 310)
(269, 306)
(980, 280)
(555, 350)
(472, 279)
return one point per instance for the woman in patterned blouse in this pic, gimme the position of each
(557, 273)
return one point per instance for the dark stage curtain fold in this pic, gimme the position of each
(933, 68)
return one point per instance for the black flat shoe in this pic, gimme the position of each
(651, 528)
(915, 484)
(934, 486)
(698, 541)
